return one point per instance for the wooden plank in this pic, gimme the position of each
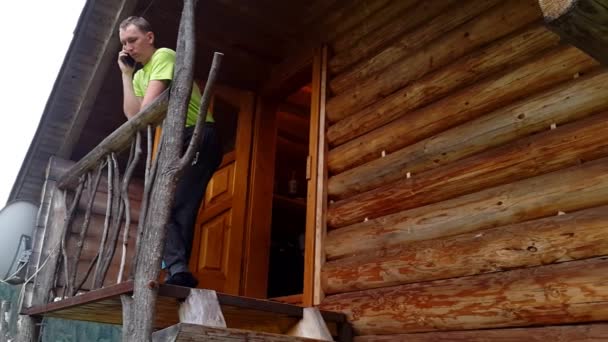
(320, 224)
(259, 211)
(374, 36)
(557, 106)
(502, 90)
(51, 249)
(496, 23)
(497, 57)
(568, 237)
(312, 177)
(564, 333)
(104, 305)
(94, 77)
(566, 190)
(582, 23)
(548, 151)
(192, 332)
(571, 292)
(411, 43)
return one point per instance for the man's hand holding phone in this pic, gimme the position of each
(126, 63)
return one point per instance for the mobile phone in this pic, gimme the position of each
(128, 60)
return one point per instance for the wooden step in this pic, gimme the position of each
(264, 316)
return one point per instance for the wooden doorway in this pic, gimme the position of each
(270, 191)
(218, 239)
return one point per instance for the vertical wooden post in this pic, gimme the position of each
(139, 311)
(317, 183)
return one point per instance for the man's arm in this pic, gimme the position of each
(155, 88)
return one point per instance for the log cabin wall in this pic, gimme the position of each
(467, 176)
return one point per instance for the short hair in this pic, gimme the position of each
(139, 22)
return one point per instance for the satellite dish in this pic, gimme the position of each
(17, 221)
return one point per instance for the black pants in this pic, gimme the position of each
(188, 195)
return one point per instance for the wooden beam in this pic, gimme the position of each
(375, 36)
(582, 23)
(259, 217)
(571, 292)
(551, 150)
(410, 43)
(568, 237)
(507, 124)
(557, 66)
(563, 333)
(566, 190)
(496, 58)
(118, 140)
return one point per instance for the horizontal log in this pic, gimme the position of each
(429, 30)
(381, 30)
(563, 333)
(100, 203)
(117, 140)
(558, 106)
(574, 236)
(501, 55)
(566, 190)
(571, 292)
(497, 22)
(545, 152)
(354, 13)
(582, 23)
(552, 68)
(405, 136)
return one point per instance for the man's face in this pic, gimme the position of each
(136, 43)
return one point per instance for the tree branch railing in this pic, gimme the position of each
(79, 187)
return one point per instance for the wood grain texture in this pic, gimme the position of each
(546, 70)
(509, 123)
(565, 293)
(566, 333)
(530, 156)
(567, 190)
(488, 27)
(118, 140)
(408, 44)
(377, 34)
(568, 237)
(582, 23)
(501, 55)
(497, 93)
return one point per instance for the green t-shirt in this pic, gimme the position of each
(160, 68)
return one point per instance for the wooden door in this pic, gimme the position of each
(218, 239)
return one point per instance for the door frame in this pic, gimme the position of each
(256, 247)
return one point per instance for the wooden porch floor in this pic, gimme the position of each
(104, 306)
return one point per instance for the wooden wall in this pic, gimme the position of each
(468, 185)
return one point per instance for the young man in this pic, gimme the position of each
(139, 89)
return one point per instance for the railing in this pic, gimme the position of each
(81, 182)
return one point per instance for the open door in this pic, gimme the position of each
(218, 238)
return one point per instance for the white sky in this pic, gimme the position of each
(35, 36)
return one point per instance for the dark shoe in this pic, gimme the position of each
(185, 279)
